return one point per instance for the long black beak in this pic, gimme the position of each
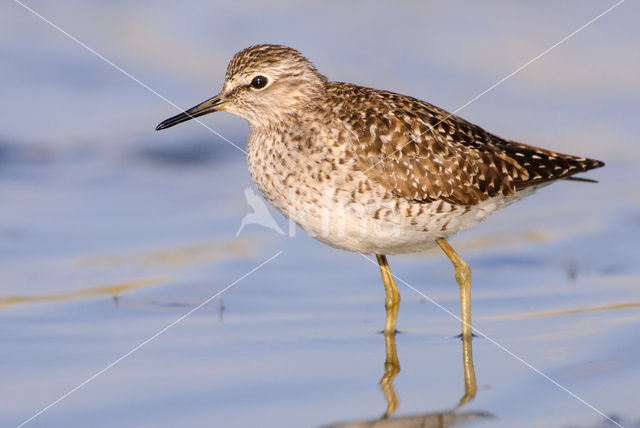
(209, 106)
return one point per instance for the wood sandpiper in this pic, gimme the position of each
(372, 171)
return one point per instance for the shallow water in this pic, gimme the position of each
(110, 234)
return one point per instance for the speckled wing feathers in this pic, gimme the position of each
(420, 152)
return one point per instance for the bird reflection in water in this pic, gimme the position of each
(440, 419)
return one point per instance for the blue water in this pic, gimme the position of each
(92, 198)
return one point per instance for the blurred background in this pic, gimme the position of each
(110, 231)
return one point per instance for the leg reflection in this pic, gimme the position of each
(391, 370)
(442, 419)
(470, 386)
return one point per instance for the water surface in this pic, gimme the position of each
(110, 232)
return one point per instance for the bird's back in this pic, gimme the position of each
(421, 152)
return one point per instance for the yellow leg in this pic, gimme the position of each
(392, 300)
(463, 276)
(470, 386)
(391, 370)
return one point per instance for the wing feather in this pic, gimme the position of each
(421, 152)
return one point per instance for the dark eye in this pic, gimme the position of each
(259, 82)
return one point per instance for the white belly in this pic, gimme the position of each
(388, 226)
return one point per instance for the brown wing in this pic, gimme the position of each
(420, 152)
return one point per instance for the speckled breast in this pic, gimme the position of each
(317, 183)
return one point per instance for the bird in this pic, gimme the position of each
(372, 171)
(260, 214)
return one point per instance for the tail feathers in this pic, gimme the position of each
(544, 165)
(581, 179)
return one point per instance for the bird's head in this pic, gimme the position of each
(263, 84)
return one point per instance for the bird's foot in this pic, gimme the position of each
(460, 336)
(394, 332)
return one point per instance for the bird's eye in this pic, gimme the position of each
(259, 82)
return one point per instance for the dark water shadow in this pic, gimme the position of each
(184, 154)
(26, 154)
